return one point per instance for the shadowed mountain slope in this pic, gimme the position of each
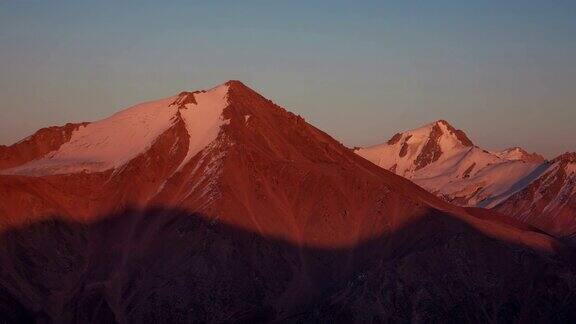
(166, 265)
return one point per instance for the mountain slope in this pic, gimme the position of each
(33, 147)
(117, 162)
(218, 152)
(444, 160)
(548, 202)
(232, 208)
(168, 153)
(114, 141)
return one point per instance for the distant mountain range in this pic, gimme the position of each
(220, 206)
(443, 160)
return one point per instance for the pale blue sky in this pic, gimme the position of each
(504, 71)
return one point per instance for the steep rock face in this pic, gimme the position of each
(226, 207)
(443, 160)
(549, 202)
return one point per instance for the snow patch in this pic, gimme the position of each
(203, 119)
(108, 143)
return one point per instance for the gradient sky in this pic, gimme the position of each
(504, 71)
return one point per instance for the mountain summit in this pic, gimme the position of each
(514, 182)
(406, 153)
(444, 160)
(519, 154)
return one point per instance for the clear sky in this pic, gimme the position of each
(504, 71)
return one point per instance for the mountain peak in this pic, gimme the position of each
(444, 160)
(458, 133)
(443, 122)
(407, 152)
(238, 88)
(517, 153)
(189, 97)
(235, 83)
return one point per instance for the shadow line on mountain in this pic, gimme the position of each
(170, 265)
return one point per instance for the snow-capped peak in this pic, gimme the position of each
(519, 154)
(408, 152)
(449, 130)
(113, 141)
(444, 160)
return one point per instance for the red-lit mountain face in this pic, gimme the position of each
(226, 152)
(219, 205)
(548, 202)
(42, 142)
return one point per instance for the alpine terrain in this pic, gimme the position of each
(444, 160)
(548, 202)
(516, 183)
(220, 206)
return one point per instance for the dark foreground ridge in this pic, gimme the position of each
(169, 266)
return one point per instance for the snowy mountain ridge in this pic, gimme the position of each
(444, 161)
(549, 201)
(112, 142)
